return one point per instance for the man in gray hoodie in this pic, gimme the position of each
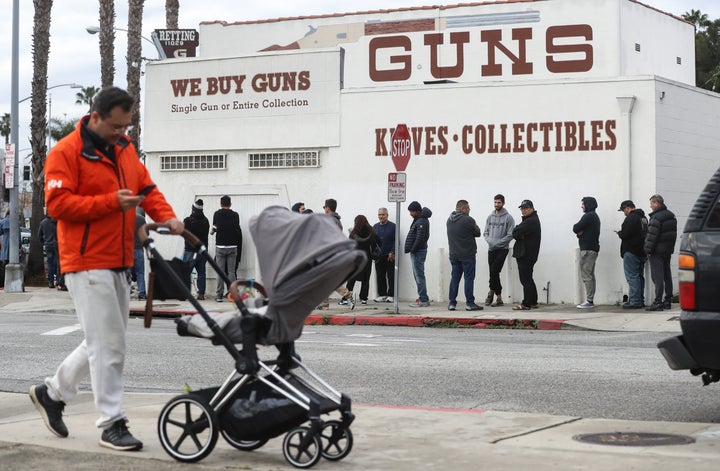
(498, 234)
(461, 232)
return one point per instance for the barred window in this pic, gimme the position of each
(309, 158)
(193, 162)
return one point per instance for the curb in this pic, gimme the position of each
(404, 321)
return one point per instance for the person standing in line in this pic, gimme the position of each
(347, 298)
(461, 233)
(527, 236)
(226, 224)
(416, 245)
(587, 230)
(660, 245)
(5, 246)
(385, 264)
(298, 208)
(93, 182)
(498, 234)
(632, 234)
(47, 233)
(199, 226)
(138, 269)
(364, 235)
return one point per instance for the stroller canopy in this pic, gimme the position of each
(302, 259)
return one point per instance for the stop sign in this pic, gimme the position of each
(400, 145)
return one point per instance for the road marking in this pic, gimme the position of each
(347, 344)
(63, 330)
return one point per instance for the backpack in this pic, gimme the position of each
(375, 249)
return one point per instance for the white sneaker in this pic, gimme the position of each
(586, 305)
(380, 299)
(389, 299)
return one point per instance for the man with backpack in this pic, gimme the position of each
(632, 251)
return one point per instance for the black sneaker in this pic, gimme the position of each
(667, 304)
(51, 411)
(656, 306)
(118, 437)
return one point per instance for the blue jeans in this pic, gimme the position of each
(52, 267)
(634, 267)
(462, 268)
(139, 270)
(418, 267)
(225, 258)
(199, 268)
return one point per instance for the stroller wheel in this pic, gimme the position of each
(302, 448)
(188, 428)
(243, 445)
(337, 440)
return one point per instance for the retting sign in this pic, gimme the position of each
(177, 42)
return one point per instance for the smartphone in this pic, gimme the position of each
(146, 190)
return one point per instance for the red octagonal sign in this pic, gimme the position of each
(400, 145)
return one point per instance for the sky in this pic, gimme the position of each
(74, 53)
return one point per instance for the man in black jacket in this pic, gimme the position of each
(587, 230)
(226, 223)
(632, 250)
(416, 246)
(526, 251)
(199, 226)
(659, 245)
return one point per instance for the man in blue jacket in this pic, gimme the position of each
(461, 232)
(587, 230)
(416, 246)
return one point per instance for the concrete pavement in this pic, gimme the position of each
(386, 438)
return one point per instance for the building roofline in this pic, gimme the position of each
(392, 10)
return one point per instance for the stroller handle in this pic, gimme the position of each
(144, 233)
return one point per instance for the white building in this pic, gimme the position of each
(548, 100)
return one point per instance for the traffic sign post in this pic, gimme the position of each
(401, 147)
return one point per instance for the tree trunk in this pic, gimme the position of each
(172, 13)
(107, 43)
(134, 63)
(38, 125)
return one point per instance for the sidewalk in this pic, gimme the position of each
(547, 317)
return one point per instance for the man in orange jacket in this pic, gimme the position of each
(94, 181)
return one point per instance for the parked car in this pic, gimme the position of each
(698, 348)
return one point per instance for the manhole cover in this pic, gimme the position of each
(634, 439)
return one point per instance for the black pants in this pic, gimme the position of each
(364, 278)
(496, 260)
(385, 274)
(661, 276)
(525, 271)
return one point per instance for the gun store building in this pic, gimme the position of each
(547, 100)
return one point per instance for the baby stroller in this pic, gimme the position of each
(302, 259)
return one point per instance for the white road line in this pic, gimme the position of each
(346, 344)
(63, 330)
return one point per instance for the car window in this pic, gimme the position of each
(713, 220)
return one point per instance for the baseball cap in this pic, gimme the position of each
(526, 204)
(626, 204)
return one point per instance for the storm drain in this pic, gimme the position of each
(634, 439)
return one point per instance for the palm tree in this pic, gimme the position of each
(696, 17)
(59, 128)
(5, 127)
(134, 62)
(85, 96)
(107, 43)
(172, 12)
(38, 125)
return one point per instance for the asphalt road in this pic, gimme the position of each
(585, 374)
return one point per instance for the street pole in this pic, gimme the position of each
(13, 271)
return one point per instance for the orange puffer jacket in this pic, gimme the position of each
(81, 192)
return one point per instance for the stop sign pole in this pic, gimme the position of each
(400, 145)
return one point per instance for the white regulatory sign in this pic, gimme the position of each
(396, 187)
